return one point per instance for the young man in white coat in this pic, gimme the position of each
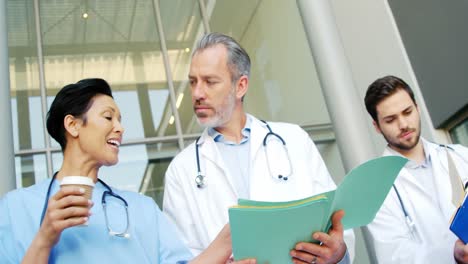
(232, 160)
(412, 226)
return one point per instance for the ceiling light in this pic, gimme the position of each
(85, 15)
(187, 50)
(179, 100)
(171, 120)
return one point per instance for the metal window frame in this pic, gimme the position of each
(48, 150)
(180, 137)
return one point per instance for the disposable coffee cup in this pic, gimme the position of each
(80, 181)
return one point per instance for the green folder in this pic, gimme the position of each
(268, 231)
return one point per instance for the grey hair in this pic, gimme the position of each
(238, 60)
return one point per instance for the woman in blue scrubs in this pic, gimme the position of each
(48, 224)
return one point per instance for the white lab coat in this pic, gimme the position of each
(200, 214)
(431, 241)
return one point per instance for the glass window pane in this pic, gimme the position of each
(459, 133)
(153, 184)
(284, 85)
(57, 159)
(128, 173)
(158, 99)
(115, 40)
(160, 155)
(28, 132)
(128, 103)
(233, 17)
(26, 110)
(189, 141)
(181, 32)
(30, 169)
(52, 141)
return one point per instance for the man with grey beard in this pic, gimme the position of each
(240, 156)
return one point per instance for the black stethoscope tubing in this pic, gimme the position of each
(405, 212)
(200, 178)
(108, 191)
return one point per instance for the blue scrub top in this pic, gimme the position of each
(152, 238)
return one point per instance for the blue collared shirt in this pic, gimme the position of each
(236, 157)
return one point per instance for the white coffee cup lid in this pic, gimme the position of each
(81, 180)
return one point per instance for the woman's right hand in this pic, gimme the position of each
(67, 208)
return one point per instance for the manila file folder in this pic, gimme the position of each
(268, 231)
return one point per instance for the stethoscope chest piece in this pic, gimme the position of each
(200, 181)
(283, 176)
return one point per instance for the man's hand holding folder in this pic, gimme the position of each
(331, 247)
(268, 231)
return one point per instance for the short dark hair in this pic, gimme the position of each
(383, 88)
(73, 99)
(238, 60)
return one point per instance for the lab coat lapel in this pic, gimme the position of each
(259, 185)
(257, 134)
(441, 180)
(209, 151)
(408, 178)
(214, 164)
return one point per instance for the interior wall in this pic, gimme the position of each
(284, 85)
(374, 49)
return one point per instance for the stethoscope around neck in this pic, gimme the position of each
(409, 220)
(200, 178)
(108, 192)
